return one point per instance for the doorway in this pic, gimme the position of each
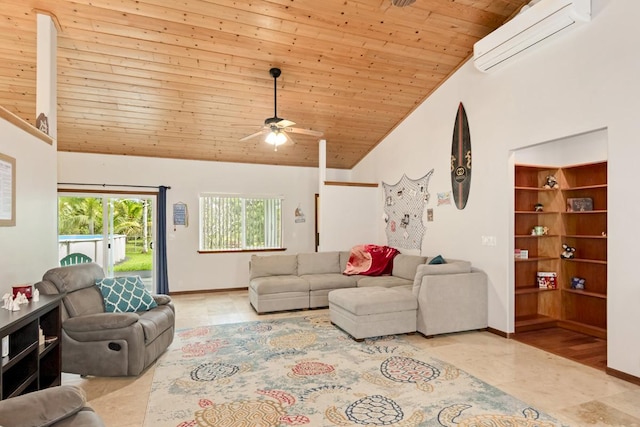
(113, 230)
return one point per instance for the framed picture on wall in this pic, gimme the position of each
(7, 191)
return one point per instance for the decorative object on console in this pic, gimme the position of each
(568, 252)
(26, 290)
(579, 204)
(404, 209)
(577, 283)
(551, 182)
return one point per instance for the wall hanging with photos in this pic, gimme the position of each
(404, 204)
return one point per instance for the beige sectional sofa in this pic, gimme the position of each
(429, 298)
(288, 282)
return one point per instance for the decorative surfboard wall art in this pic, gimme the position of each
(461, 159)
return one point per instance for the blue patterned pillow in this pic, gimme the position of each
(437, 260)
(125, 294)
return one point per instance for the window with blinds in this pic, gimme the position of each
(229, 223)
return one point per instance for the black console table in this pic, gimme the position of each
(31, 366)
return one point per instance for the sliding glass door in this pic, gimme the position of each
(115, 231)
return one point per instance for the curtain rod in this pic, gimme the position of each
(115, 185)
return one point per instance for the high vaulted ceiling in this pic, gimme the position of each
(189, 78)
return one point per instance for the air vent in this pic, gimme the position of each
(402, 3)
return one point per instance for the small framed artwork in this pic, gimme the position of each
(7, 191)
(581, 204)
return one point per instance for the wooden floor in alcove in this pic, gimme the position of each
(582, 348)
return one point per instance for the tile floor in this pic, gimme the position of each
(575, 394)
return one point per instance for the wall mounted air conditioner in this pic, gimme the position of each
(536, 23)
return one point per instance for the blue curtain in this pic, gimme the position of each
(161, 242)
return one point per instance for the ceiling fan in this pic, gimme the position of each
(276, 128)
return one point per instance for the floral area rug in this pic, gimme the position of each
(305, 372)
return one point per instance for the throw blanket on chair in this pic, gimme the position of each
(371, 260)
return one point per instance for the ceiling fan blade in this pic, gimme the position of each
(291, 140)
(253, 135)
(284, 123)
(303, 131)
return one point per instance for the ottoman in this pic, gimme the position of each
(373, 311)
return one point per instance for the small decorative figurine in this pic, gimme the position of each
(21, 298)
(551, 182)
(568, 252)
(36, 295)
(577, 283)
(7, 301)
(538, 207)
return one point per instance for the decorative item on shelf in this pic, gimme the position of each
(547, 279)
(36, 295)
(25, 290)
(538, 207)
(577, 283)
(521, 254)
(551, 182)
(579, 204)
(568, 252)
(604, 234)
(539, 230)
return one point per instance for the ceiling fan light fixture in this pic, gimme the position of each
(276, 138)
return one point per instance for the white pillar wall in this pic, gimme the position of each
(46, 72)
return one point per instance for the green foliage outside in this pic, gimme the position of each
(83, 215)
(136, 259)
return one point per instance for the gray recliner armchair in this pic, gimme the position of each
(63, 406)
(95, 342)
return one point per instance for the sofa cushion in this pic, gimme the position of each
(404, 266)
(344, 259)
(278, 284)
(318, 263)
(125, 294)
(382, 281)
(79, 283)
(72, 278)
(374, 300)
(273, 265)
(329, 281)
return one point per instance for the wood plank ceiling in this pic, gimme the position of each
(187, 79)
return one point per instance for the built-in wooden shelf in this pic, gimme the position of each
(580, 310)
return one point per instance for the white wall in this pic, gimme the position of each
(348, 216)
(29, 248)
(584, 81)
(189, 270)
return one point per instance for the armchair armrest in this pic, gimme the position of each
(44, 407)
(161, 299)
(100, 321)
